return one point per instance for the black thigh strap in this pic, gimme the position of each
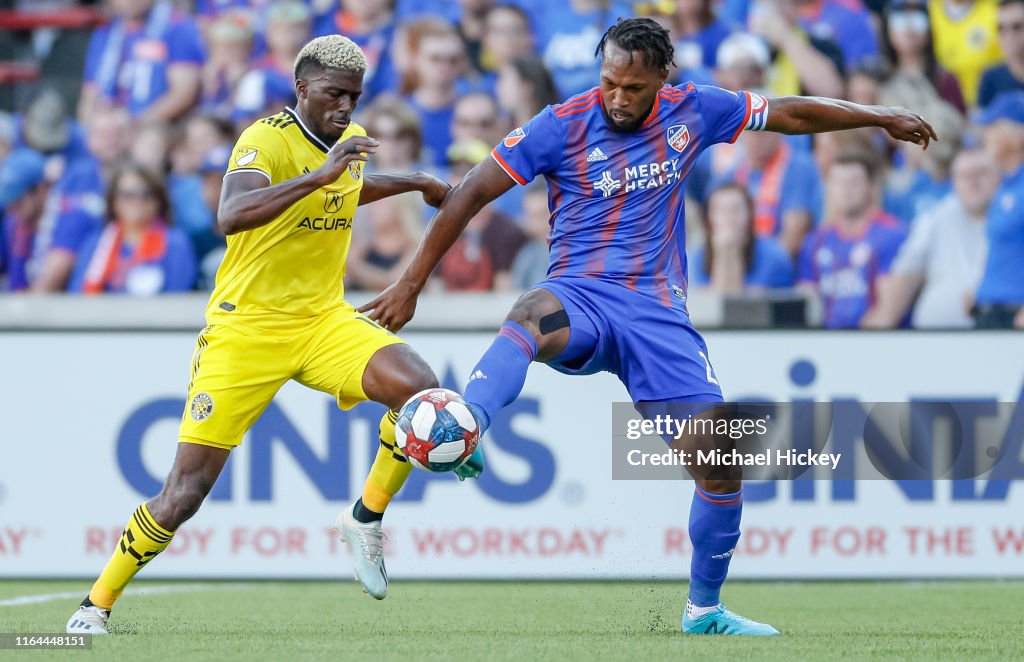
(554, 322)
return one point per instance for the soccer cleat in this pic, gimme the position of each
(89, 619)
(723, 621)
(367, 542)
(473, 466)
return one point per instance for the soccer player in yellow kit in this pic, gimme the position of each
(277, 313)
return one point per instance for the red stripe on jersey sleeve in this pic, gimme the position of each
(746, 118)
(508, 169)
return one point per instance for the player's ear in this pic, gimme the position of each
(300, 88)
(664, 75)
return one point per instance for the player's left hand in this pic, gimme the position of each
(903, 124)
(433, 189)
(393, 307)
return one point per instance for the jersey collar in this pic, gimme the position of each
(319, 144)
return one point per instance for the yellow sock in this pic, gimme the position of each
(389, 470)
(142, 539)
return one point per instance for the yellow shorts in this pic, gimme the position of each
(237, 369)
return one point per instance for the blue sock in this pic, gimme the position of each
(499, 376)
(714, 531)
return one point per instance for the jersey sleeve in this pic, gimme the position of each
(184, 44)
(889, 248)
(533, 149)
(257, 150)
(727, 114)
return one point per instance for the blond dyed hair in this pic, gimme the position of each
(332, 51)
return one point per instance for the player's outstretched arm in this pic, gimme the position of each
(396, 305)
(247, 202)
(819, 114)
(378, 186)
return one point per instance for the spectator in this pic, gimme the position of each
(733, 258)
(845, 260)
(1000, 297)
(203, 136)
(151, 148)
(371, 25)
(1008, 76)
(909, 47)
(8, 134)
(940, 264)
(271, 83)
(384, 242)
(743, 62)
(46, 128)
(568, 34)
(524, 88)
(146, 59)
(785, 185)
(922, 177)
(434, 60)
(531, 263)
(470, 23)
(476, 116)
(481, 259)
(393, 123)
(137, 252)
(697, 34)
(847, 26)
(864, 82)
(230, 41)
(23, 192)
(210, 246)
(507, 36)
(801, 62)
(964, 32)
(75, 206)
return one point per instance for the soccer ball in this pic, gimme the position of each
(436, 430)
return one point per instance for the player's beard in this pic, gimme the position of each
(631, 126)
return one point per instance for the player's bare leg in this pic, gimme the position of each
(149, 531)
(393, 375)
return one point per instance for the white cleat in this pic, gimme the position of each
(88, 620)
(367, 541)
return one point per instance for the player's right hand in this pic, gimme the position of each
(903, 124)
(356, 148)
(394, 307)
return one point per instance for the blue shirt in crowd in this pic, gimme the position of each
(1003, 281)
(770, 267)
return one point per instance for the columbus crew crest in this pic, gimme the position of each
(355, 169)
(201, 407)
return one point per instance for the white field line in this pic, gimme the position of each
(142, 590)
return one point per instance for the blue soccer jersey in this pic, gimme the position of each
(845, 268)
(617, 198)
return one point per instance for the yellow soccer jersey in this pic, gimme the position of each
(293, 265)
(966, 46)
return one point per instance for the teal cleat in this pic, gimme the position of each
(473, 466)
(723, 621)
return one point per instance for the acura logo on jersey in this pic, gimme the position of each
(333, 201)
(322, 223)
(678, 137)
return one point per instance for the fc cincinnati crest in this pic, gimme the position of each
(512, 139)
(201, 407)
(678, 137)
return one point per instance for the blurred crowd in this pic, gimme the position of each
(116, 190)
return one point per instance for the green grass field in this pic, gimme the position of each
(535, 620)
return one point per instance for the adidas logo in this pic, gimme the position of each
(726, 555)
(596, 155)
(477, 375)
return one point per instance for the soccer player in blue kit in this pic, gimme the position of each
(615, 160)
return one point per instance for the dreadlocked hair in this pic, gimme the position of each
(640, 35)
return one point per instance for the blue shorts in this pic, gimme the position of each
(653, 348)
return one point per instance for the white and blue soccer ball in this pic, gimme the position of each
(436, 430)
